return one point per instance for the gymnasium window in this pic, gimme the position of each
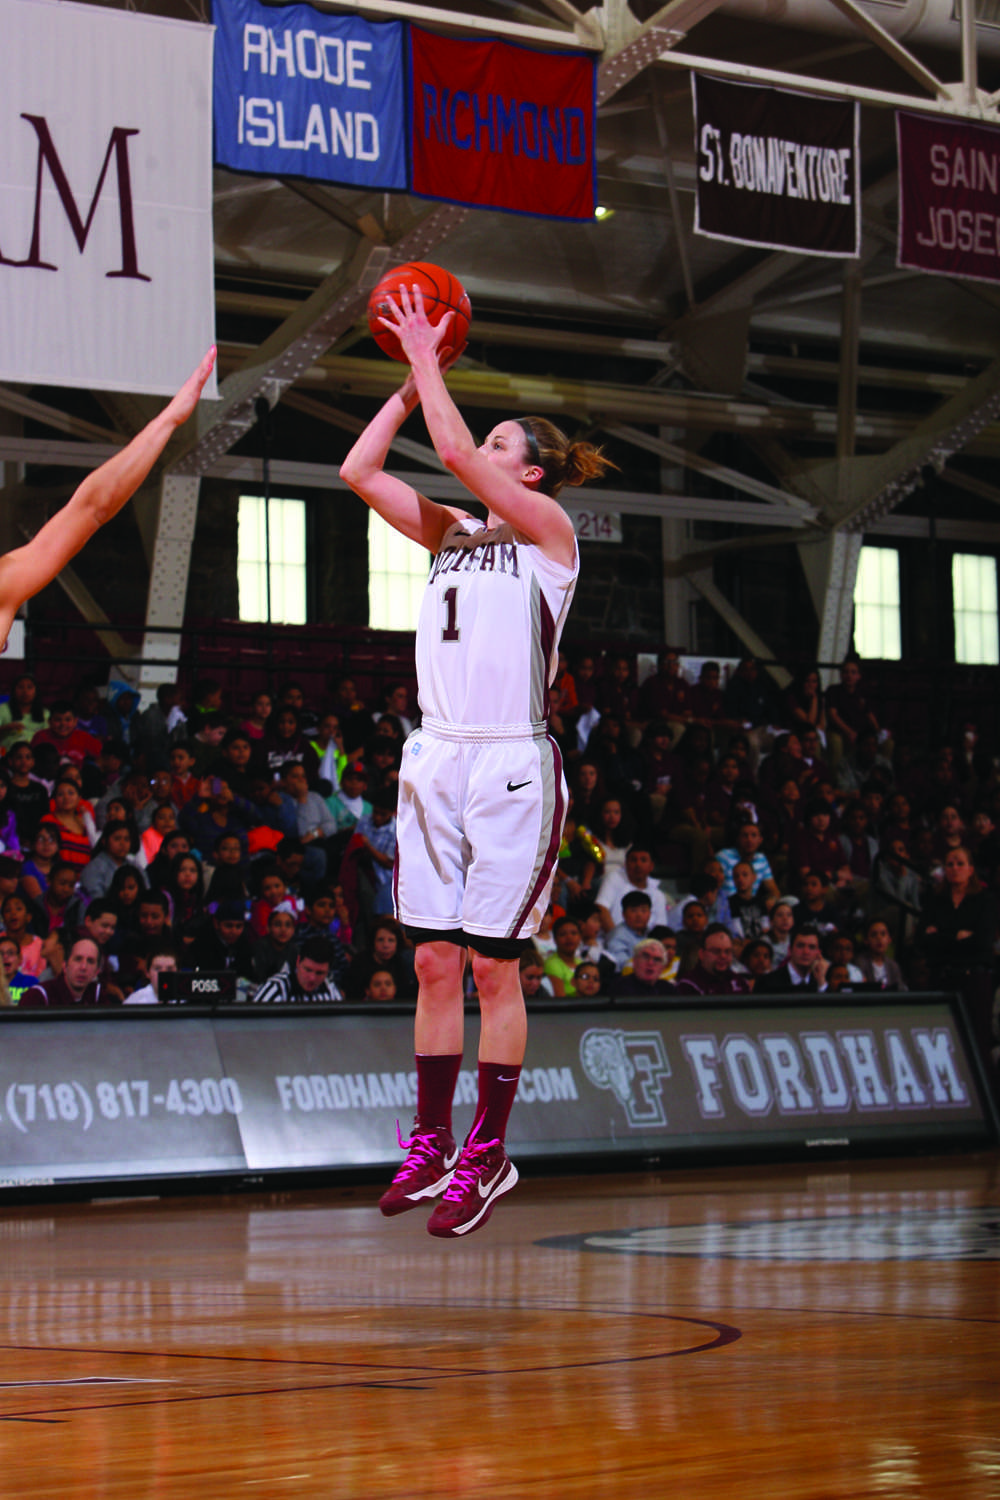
(877, 628)
(974, 601)
(287, 530)
(397, 577)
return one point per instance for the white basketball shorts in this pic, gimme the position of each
(478, 829)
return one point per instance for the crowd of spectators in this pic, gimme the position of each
(730, 836)
(255, 838)
(723, 836)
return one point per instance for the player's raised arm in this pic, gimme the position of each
(102, 495)
(411, 513)
(509, 487)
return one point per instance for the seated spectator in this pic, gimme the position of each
(27, 795)
(66, 737)
(381, 986)
(662, 770)
(615, 695)
(184, 888)
(16, 982)
(634, 926)
(234, 763)
(645, 982)
(757, 959)
(224, 943)
(328, 742)
(666, 695)
(806, 968)
(306, 982)
(588, 792)
(42, 857)
(228, 880)
(216, 810)
(154, 727)
(874, 963)
(256, 722)
(713, 974)
(325, 914)
(816, 768)
(816, 906)
(274, 893)
(58, 898)
(614, 832)
(287, 741)
(22, 716)
(838, 977)
(748, 848)
(694, 923)
(383, 758)
(840, 951)
(749, 699)
(292, 696)
(534, 985)
(73, 822)
(561, 964)
(858, 848)
(17, 925)
(374, 837)
(396, 700)
(159, 958)
(387, 948)
(277, 948)
(77, 985)
(707, 701)
(803, 702)
(355, 721)
(847, 712)
(636, 876)
(668, 938)
(184, 784)
(125, 889)
(949, 831)
(587, 916)
(748, 914)
(348, 803)
(114, 850)
(208, 732)
(587, 981)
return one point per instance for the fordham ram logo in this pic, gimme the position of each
(633, 1065)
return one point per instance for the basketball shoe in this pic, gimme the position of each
(484, 1172)
(432, 1157)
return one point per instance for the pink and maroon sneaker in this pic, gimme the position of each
(432, 1157)
(483, 1174)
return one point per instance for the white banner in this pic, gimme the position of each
(106, 253)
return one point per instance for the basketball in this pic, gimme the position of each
(442, 293)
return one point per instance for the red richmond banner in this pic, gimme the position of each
(949, 197)
(501, 126)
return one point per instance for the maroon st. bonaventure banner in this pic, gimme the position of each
(949, 196)
(500, 126)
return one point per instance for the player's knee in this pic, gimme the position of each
(491, 974)
(438, 965)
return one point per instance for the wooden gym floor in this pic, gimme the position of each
(796, 1332)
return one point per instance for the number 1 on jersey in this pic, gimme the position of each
(451, 631)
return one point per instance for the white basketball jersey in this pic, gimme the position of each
(489, 628)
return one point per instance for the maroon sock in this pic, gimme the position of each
(436, 1080)
(497, 1087)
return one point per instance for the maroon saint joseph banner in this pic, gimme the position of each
(501, 126)
(949, 196)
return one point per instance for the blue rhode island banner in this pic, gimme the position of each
(301, 93)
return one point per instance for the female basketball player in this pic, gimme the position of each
(27, 569)
(482, 796)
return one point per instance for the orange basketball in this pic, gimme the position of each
(442, 293)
